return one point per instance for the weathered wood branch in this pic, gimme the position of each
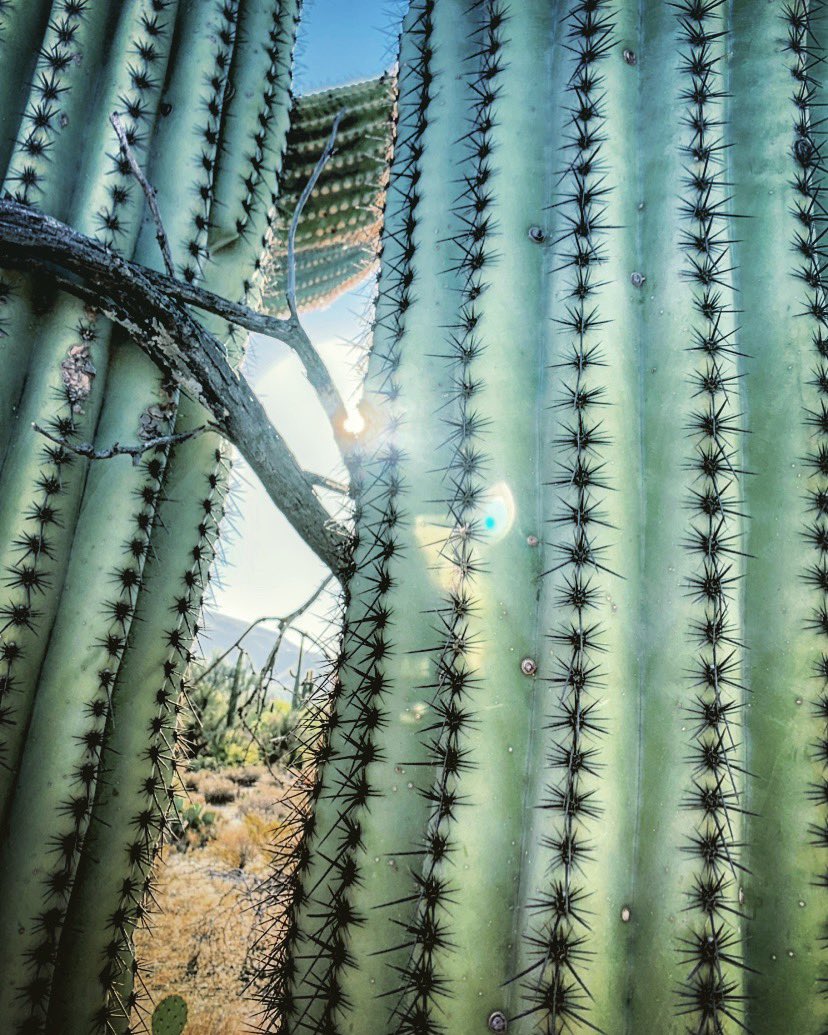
(162, 325)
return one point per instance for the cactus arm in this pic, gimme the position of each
(784, 594)
(340, 225)
(235, 687)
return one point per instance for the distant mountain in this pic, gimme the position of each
(222, 631)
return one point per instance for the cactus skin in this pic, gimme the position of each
(104, 627)
(336, 242)
(170, 1016)
(573, 769)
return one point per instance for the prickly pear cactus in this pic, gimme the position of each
(573, 775)
(336, 243)
(170, 1016)
(104, 566)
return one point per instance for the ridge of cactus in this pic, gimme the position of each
(95, 990)
(247, 144)
(784, 632)
(710, 955)
(22, 25)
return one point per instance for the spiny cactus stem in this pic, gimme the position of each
(176, 342)
(297, 212)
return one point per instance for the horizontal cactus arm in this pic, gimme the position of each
(341, 221)
(177, 343)
(327, 153)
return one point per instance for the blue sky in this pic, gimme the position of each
(344, 40)
(269, 570)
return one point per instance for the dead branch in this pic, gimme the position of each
(181, 347)
(149, 192)
(88, 450)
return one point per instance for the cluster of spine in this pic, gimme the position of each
(555, 991)
(710, 990)
(251, 186)
(337, 239)
(342, 742)
(30, 167)
(809, 168)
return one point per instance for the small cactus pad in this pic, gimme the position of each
(170, 1016)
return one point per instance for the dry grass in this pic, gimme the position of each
(246, 775)
(201, 941)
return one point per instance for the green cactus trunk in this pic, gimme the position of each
(573, 770)
(106, 565)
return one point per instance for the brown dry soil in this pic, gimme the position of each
(202, 941)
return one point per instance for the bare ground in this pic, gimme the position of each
(206, 921)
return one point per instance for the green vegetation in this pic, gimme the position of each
(262, 726)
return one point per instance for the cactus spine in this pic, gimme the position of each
(572, 776)
(90, 694)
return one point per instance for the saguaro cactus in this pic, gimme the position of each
(105, 565)
(573, 773)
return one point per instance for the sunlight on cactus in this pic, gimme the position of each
(573, 770)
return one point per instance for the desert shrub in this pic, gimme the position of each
(191, 825)
(245, 776)
(231, 723)
(218, 791)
